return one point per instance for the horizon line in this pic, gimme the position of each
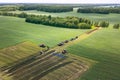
(52, 3)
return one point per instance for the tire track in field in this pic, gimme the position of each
(41, 65)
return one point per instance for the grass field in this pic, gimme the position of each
(112, 18)
(103, 46)
(14, 30)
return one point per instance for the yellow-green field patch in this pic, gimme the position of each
(46, 66)
(14, 53)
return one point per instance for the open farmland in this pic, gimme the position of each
(51, 65)
(32, 51)
(45, 66)
(103, 47)
(112, 18)
(14, 30)
(17, 52)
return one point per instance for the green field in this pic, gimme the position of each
(14, 30)
(103, 46)
(112, 18)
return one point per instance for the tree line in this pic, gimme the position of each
(8, 8)
(21, 15)
(55, 9)
(67, 22)
(47, 8)
(116, 26)
(99, 10)
(105, 24)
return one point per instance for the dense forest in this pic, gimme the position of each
(99, 10)
(29, 7)
(47, 8)
(55, 9)
(67, 22)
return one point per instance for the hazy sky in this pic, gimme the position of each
(61, 1)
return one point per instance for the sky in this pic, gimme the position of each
(60, 1)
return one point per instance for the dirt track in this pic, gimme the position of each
(80, 37)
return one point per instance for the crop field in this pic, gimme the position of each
(112, 18)
(14, 53)
(67, 54)
(48, 66)
(103, 47)
(14, 30)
